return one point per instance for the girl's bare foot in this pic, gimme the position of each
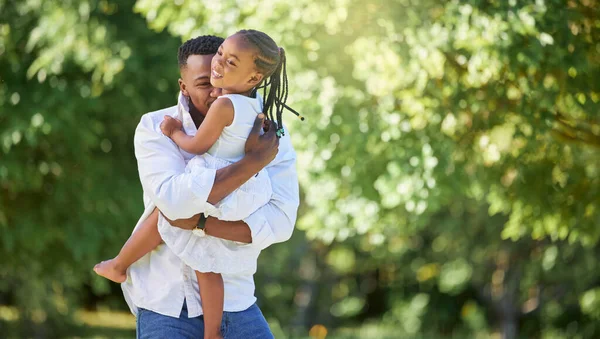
(111, 271)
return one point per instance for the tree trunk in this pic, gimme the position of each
(305, 293)
(508, 303)
(509, 318)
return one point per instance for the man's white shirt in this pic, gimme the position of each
(160, 281)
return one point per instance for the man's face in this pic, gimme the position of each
(195, 82)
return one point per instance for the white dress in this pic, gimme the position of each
(218, 255)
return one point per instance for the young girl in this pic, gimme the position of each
(246, 61)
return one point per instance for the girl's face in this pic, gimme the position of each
(233, 67)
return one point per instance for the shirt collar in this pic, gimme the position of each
(183, 114)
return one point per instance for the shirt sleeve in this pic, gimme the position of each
(161, 167)
(274, 222)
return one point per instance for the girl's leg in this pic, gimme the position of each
(212, 295)
(142, 241)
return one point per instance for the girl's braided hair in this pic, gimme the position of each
(271, 61)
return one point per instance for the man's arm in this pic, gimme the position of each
(260, 151)
(228, 230)
(181, 195)
(274, 222)
(271, 223)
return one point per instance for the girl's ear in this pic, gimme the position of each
(255, 79)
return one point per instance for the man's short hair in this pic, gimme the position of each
(202, 45)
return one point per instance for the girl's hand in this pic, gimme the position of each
(170, 125)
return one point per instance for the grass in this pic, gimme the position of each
(115, 324)
(88, 324)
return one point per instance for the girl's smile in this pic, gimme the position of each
(216, 75)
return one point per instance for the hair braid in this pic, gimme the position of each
(271, 61)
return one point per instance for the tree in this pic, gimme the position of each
(449, 159)
(76, 77)
(423, 113)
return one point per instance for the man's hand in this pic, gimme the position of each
(170, 125)
(186, 224)
(262, 148)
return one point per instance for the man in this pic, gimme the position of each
(161, 290)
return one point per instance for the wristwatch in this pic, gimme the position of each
(200, 229)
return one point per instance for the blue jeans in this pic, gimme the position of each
(247, 324)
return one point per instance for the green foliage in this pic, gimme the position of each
(76, 77)
(435, 131)
(449, 161)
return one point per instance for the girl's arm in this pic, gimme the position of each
(217, 118)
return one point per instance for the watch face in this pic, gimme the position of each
(199, 232)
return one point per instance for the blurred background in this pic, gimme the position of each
(449, 162)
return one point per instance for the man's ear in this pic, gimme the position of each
(255, 79)
(182, 88)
